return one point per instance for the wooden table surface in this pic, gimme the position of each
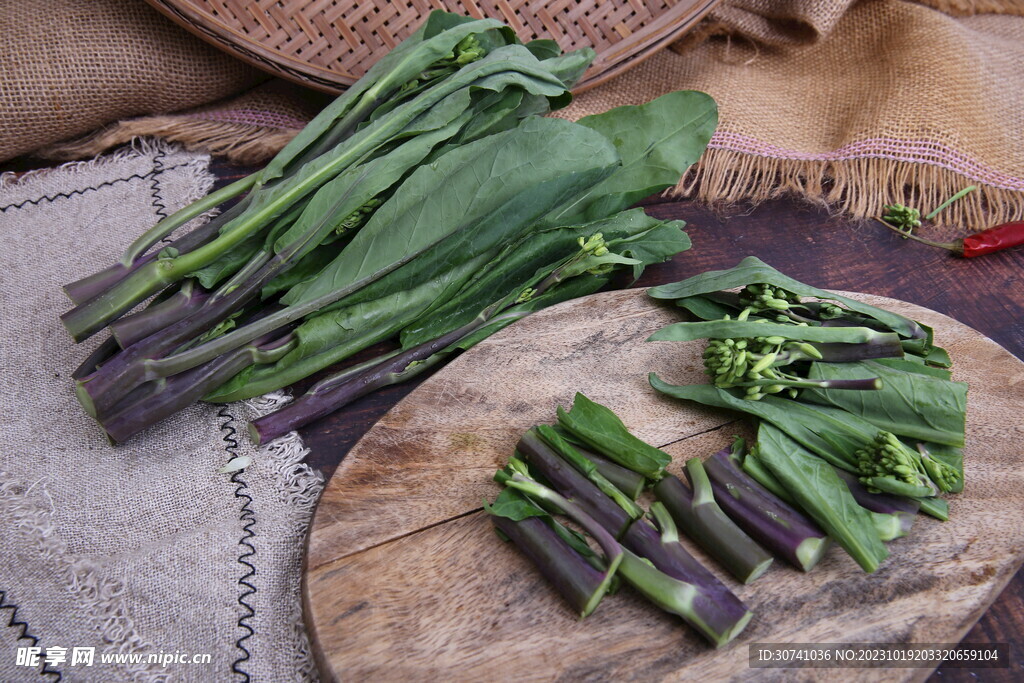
(807, 243)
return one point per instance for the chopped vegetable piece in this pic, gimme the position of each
(773, 523)
(573, 485)
(587, 468)
(822, 495)
(529, 527)
(602, 430)
(661, 569)
(703, 520)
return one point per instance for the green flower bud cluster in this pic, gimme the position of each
(595, 246)
(525, 295)
(468, 50)
(828, 311)
(888, 457)
(904, 218)
(358, 217)
(739, 362)
(944, 476)
(767, 298)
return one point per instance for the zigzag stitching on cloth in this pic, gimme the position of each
(13, 622)
(82, 190)
(159, 208)
(248, 516)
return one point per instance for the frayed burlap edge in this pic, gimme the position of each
(240, 143)
(859, 187)
(967, 8)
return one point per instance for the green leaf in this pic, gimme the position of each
(908, 364)
(602, 430)
(658, 141)
(731, 329)
(704, 308)
(657, 245)
(514, 505)
(833, 434)
(909, 404)
(753, 270)
(434, 40)
(820, 493)
(479, 195)
(522, 264)
(569, 68)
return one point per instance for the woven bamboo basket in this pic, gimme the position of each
(329, 44)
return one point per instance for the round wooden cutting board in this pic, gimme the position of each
(405, 578)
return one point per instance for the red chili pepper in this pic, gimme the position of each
(993, 239)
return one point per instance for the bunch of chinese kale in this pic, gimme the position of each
(859, 423)
(591, 469)
(429, 203)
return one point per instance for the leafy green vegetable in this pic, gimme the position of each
(754, 270)
(913, 405)
(427, 201)
(657, 142)
(821, 494)
(602, 430)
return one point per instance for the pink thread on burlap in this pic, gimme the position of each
(252, 117)
(915, 151)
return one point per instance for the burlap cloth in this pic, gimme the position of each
(144, 548)
(853, 104)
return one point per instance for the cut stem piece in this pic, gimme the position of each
(774, 524)
(581, 585)
(703, 520)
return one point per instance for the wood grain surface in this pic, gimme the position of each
(405, 577)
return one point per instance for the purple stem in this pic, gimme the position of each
(337, 392)
(154, 401)
(574, 486)
(711, 607)
(136, 327)
(780, 527)
(104, 388)
(564, 568)
(104, 351)
(905, 509)
(93, 285)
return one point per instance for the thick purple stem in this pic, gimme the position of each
(780, 527)
(136, 327)
(564, 568)
(572, 485)
(146, 406)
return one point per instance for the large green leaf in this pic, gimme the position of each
(658, 141)
(753, 270)
(602, 430)
(479, 195)
(833, 434)
(820, 493)
(909, 404)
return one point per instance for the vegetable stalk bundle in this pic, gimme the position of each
(428, 203)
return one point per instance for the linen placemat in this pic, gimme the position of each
(141, 549)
